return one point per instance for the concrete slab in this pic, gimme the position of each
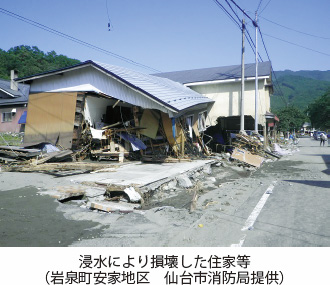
(108, 206)
(143, 174)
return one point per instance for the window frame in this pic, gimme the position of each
(6, 117)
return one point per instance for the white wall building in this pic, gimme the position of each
(223, 85)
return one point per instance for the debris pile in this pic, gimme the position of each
(149, 136)
(44, 158)
(250, 149)
(251, 143)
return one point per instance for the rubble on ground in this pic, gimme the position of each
(116, 143)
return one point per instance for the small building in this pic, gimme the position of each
(223, 85)
(13, 104)
(306, 128)
(127, 104)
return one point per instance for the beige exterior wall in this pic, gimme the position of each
(50, 118)
(227, 97)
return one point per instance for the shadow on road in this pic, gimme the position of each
(326, 159)
(322, 184)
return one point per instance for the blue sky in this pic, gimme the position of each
(170, 35)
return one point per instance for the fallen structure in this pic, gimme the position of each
(110, 112)
(103, 112)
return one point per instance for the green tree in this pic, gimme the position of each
(291, 118)
(319, 112)
(31, 60)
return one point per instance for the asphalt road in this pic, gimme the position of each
(297, 212)
(283, 204)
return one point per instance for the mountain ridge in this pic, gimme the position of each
(300, 88)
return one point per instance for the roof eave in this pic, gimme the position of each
(95, 65)
(136, 88)
(54, 72)
(224, 81)
(8, 93)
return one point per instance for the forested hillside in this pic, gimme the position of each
(313, 74)
(30, 60)
(300, 91)
(300, 88)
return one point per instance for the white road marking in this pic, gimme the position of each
(255, 213)
(240, 244)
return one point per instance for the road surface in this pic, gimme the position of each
(283, 204)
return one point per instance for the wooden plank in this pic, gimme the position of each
(6, 159)
(56, 154)
(20, 149)
(247, 157)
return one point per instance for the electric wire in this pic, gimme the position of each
(110, 26)
(227, 13)
(249, 39)
(259, 5)
(276, 80)
(253, 22)
(256, 25)
(297, 31)
(288, 42)
(68, 37)
(264, 7)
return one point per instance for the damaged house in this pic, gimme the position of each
(113, 112)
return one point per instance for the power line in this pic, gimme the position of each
(297, 31)
(237, 22)
(265, 7)
(249, 39)
(253, 22)
(68, 37)
(256, 25)
(110, 26)
(227, 13)
(320, 52)
(276, 80)
(259, 5)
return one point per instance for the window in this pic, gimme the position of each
(6, 117)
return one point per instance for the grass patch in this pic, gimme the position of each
(10, 139)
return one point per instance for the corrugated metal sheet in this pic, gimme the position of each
(217, 73)
(166, 91)
(160, 93)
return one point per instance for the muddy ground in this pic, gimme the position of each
(226, 196)
(31, 218)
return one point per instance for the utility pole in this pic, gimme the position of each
(256, 80)
(242, 83)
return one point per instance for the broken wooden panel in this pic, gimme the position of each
(78, 121)
(176, 143)
(247, 157)
(150, 122)
(51, 118)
